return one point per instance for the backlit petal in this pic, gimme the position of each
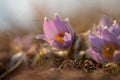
(105, 21)
(67, 37)
(61, 26)
(49, 29)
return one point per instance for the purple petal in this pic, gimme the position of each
(115, 29)
(105, 21)
(49, 29)
(116, 56)
(97, 56)
(67, 44)
(60, 25)
(108, 36)
(27, 41)
(96, 41)
(57, 44)
(69, 27)
(17, 40)
(41, 36)
(67, 37)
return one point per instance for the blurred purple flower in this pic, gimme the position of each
(106, 45)
(58, 33)
(25, 42)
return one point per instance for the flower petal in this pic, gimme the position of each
(96, 41)
(57, 44)
(60, 25)
(49, 29)
(116, 56)
(67, 37)
(67, 44)
(97, 56)
(115, 28)
(69, 27)
(105, 21)
(27, 41)
(108, 36)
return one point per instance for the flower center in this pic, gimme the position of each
(59, 37)
(108, 50)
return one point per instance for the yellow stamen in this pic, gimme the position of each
(59, 37)
(108, 50)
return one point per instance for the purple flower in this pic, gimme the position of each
(25, 42)
(58, 33)
(106, 45)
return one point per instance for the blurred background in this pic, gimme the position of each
(25, 17)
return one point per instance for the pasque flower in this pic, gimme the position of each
(57, 32)
(25, 42)
(106, 44)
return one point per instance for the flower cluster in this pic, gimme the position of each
(105, 40)
(106, 44)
